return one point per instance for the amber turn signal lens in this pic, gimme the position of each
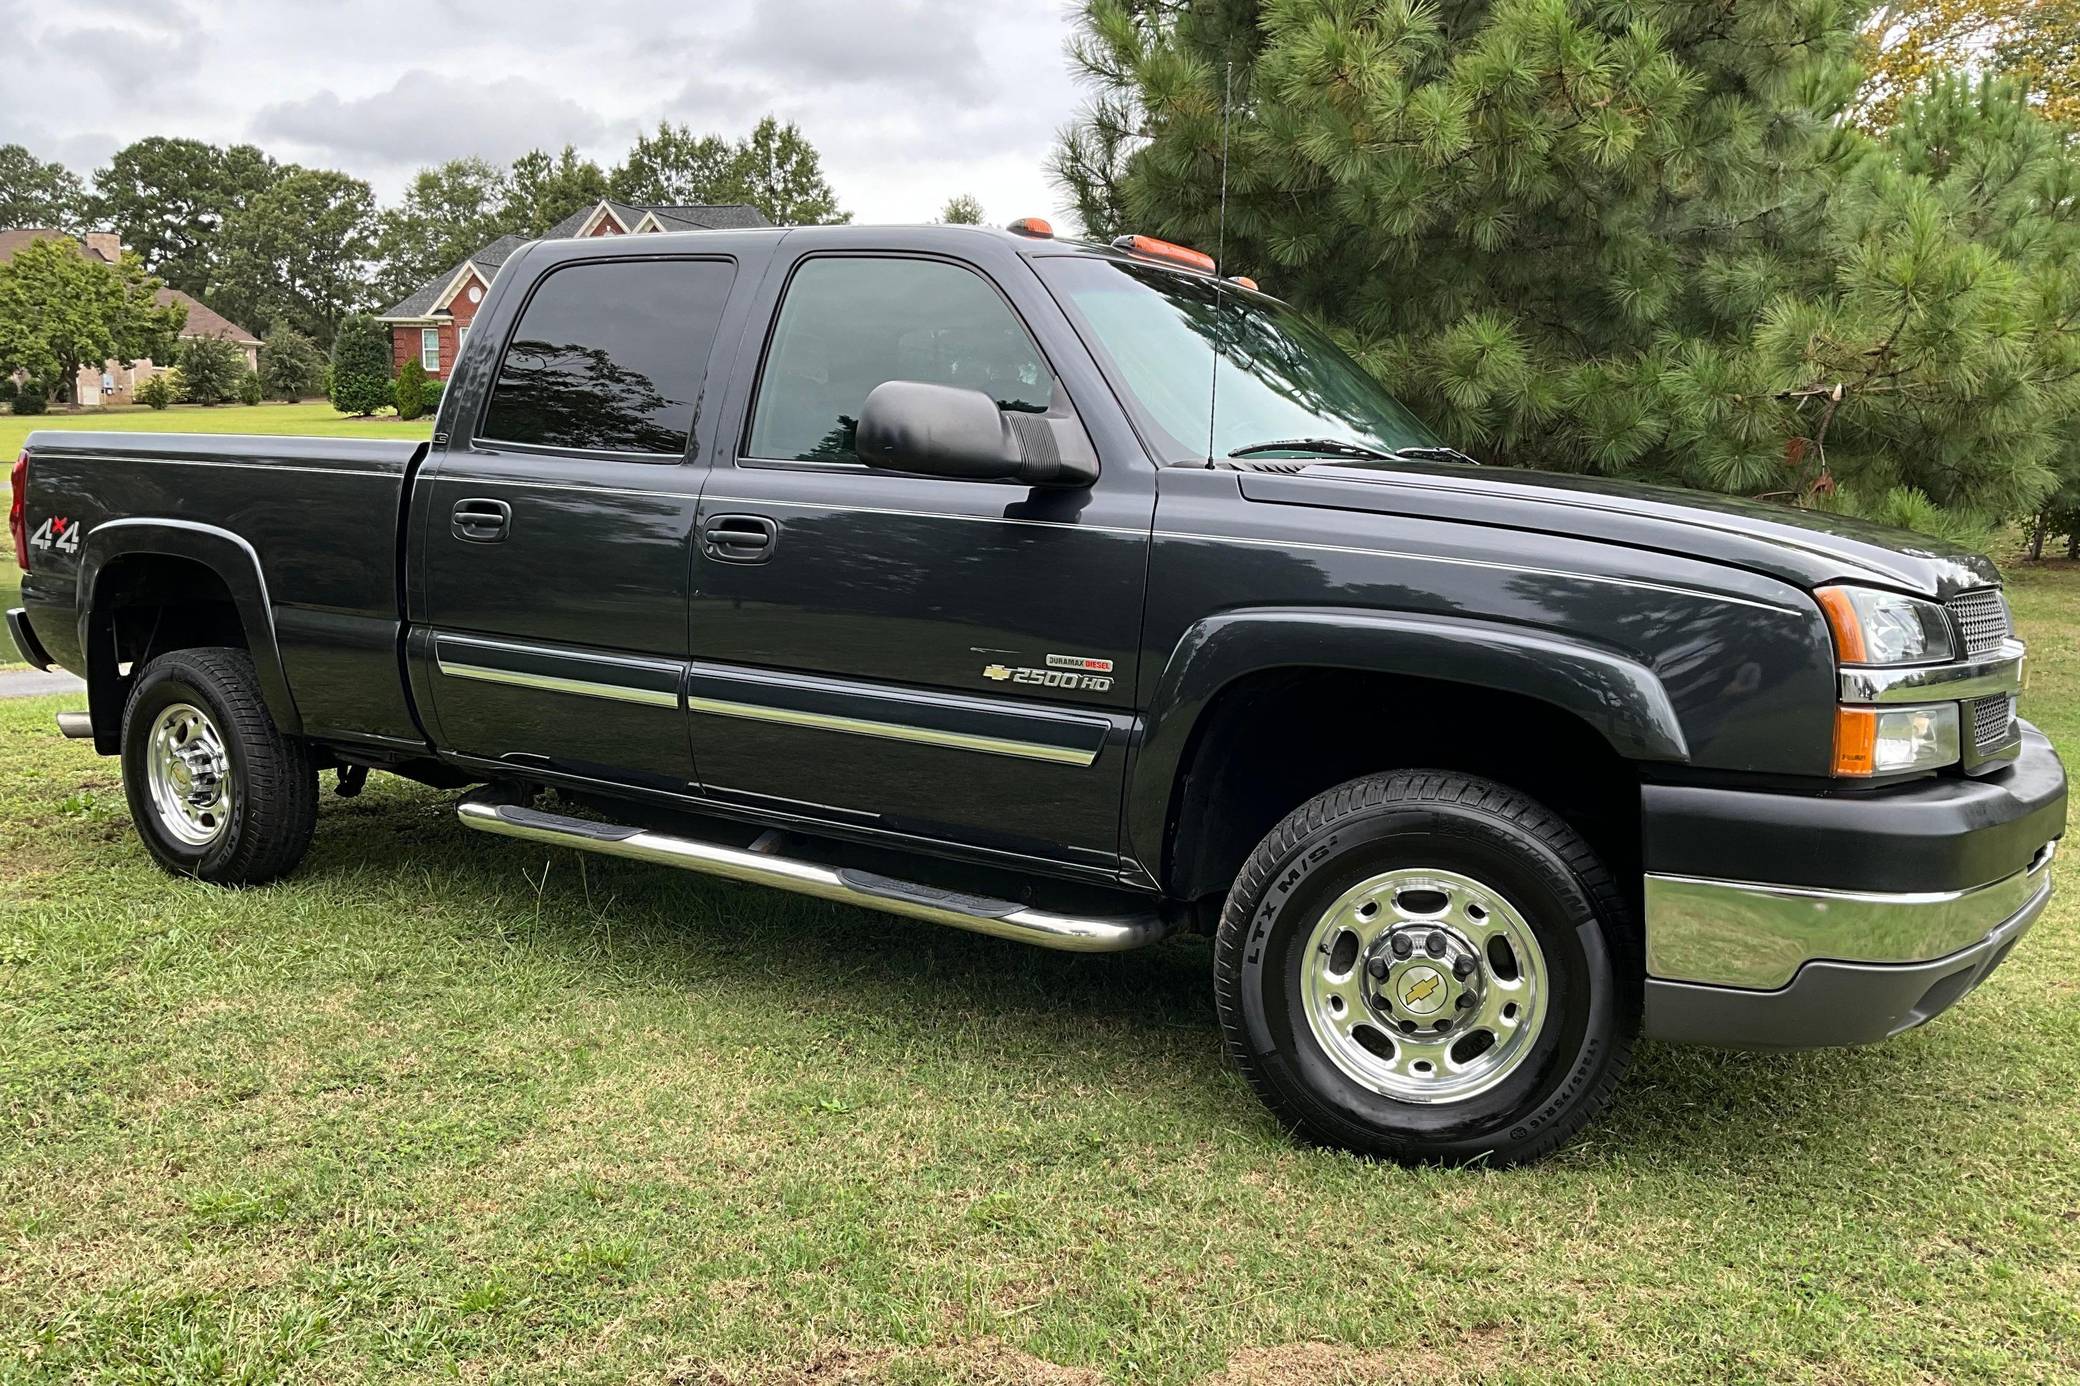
(1840, 610)
(1855, 740)
(1244, 280)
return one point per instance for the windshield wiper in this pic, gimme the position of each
(1436, 454)
(1333, 447)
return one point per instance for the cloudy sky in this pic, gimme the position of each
(910, 101)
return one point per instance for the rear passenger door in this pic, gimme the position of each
(555, 531)
(951, 660)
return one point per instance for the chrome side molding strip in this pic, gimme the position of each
(487, 811)
(894, 731)
(612, 692)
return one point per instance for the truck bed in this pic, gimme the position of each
(316, 522)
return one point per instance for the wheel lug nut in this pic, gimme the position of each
(1465, 1002)
(1434, 945)
(1377, 968)
(1401, 946)
(1463, 968)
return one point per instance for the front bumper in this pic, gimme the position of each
(1792, 921)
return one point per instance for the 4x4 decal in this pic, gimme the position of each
(57, 534)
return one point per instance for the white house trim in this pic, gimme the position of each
(460, 282)
(592, 222)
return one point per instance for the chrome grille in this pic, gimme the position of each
(1993, 722)
(1982, 618)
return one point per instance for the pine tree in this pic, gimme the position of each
(1628, 237)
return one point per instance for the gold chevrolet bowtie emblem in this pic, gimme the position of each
(996, 671)
(1421, 989)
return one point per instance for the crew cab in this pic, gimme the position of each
(1075, 594)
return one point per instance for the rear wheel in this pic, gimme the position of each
(1427, 966)
(216, 790)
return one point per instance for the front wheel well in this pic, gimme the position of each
(1272, 741)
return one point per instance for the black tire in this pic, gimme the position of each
(1435, 820)
(274, 807)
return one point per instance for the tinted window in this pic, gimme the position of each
(850, 324)
(609, 357)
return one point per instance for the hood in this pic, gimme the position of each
(1806, 547)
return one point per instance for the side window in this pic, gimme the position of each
(610, 356)
(850, 323)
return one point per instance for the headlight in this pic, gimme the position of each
(1874, 627)
(1893, 740)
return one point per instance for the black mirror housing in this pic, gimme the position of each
(943, 430)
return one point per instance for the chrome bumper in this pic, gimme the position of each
(33, 653)
(1757, 936)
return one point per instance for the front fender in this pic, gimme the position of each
(227, 555)
(1619, 698)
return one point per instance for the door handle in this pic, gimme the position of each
(480, 521)
(739, 538)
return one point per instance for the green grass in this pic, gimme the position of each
(446, 1105)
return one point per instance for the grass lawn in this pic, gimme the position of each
(316, 417)
(447, 1105)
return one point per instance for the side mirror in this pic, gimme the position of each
(943, 430)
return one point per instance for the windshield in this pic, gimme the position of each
(1281, 378)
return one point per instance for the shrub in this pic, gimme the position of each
(31, 398)
(162, 390)
(249, 389)
(210, 369)
(410, 390)
(361, 366)
(292, 367)
(433, 390)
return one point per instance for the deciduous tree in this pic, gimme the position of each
(672, 166)
(962, 209)
(34, 193)
(291, 366)
(301, 253)
(783, 177)
(60, 310)
(447, 213)
(210, 369)
(170, 198)
(544, 190)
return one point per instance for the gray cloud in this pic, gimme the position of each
(929, 49)
(426, 117)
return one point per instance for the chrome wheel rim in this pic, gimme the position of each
(1424, 985)
(189, 773)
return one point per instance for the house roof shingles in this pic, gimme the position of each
(421, 302)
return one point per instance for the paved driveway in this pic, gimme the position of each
(34, 683)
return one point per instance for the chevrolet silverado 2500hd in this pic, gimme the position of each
(916, 568)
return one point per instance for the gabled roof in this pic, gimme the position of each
(205, 321)
(432, 296)
(431, 299)
(12, 241)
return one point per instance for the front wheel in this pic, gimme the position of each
(216, 790)
(1427, 966)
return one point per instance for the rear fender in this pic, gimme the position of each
(227, 555)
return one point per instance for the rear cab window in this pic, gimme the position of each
(850, 323)
(610, 356)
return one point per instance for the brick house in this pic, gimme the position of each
(203, 321)
(431, 324)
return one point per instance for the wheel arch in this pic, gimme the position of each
(1557, 717)
(151, 585)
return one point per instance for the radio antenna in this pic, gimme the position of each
(1220, 255)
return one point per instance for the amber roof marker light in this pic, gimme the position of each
(1037, 227)
(1149, 248)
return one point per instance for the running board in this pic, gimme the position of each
(758, 865)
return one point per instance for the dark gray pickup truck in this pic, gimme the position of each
(926, 569)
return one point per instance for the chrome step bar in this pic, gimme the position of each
(491, 811)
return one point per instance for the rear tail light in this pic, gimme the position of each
(18, 509)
